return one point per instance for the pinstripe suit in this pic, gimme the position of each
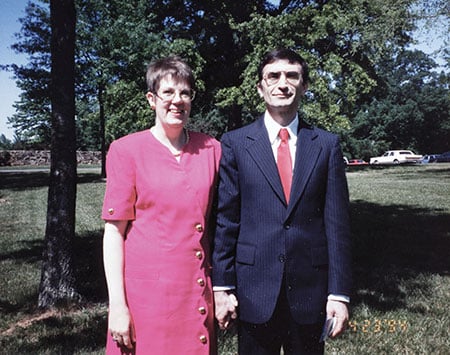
(261, 243)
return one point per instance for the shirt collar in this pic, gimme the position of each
(274, 127)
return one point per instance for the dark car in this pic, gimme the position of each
(443, 158)
(429, 158)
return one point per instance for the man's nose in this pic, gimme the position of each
(283, 79)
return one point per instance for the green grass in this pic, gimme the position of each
(401, 236)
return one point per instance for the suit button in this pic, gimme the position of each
(201, 282)
(203, 339)
(202, 310)
(282, 258)
(287, 226)
(199, 255)
(199, 227)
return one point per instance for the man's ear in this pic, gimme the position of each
(260, 90)
(304, 88)
(151, 99)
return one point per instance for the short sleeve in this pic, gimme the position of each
(120, 195)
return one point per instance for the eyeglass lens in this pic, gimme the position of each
(169, 94)
(292, 77)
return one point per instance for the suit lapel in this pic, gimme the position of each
(260, 150)
(305, 160)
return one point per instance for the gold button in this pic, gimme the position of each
(203, 339)
(199, 254)
(201, 282)
(202, 310)
(111, 211)
(199, 227)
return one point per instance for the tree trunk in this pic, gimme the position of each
(57, 278)
(102, 129)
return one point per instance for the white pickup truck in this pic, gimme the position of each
(396, 157)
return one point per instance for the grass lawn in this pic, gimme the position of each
(401, 236)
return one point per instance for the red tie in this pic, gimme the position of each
(284, 162)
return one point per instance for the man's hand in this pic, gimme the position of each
(339, 310)
(226, 308)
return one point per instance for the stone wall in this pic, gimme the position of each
(42, 157)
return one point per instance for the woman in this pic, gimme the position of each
(159, 193)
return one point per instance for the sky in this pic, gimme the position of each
(12, 10)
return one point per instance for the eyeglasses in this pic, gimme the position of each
(292, 77)
(169, 94)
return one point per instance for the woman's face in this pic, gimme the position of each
(172, 102)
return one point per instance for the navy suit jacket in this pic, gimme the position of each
(259, 238)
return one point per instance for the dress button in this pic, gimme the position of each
(199, 254)
(201, 282)
(203, 339)
(111, 211)
(199, 227)
(202, 310)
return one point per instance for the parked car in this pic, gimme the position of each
(397, 157)
(429, 158)
(357, 162)
(443, 158)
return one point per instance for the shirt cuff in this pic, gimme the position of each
(223, 288)
(340, 298)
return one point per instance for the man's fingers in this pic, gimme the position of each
(233, 300)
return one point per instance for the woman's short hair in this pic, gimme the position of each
(284, 54)
(174, 67)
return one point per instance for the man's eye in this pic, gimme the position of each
(292, 75)
(273, 75)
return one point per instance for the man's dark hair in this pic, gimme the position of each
(284, 54)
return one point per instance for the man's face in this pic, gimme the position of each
(282, 86)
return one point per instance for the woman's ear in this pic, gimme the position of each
(151, 99)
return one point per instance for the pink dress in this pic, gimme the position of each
(167, 247)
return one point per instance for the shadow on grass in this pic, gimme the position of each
(24, 180)
(88, 270)
(67, 334)
(393, 244)
(74, 329)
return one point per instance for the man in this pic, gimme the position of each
(282, 243)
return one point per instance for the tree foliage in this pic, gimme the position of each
(32, 118)
(341, 40)
(346, 43)
(412, 110)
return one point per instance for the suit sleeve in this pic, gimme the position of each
(337, 224)
(228, 218)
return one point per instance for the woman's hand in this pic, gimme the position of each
(121, 326)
